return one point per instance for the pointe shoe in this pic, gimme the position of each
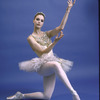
(17, 96)
(76, 96)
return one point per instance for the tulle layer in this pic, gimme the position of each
(35, 63)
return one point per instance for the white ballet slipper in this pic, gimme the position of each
(17, 96)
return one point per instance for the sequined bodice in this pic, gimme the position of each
(44, 40)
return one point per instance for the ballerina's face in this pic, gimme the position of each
(38, 21)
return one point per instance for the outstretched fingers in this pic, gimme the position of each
(74, 2)
(71, 3)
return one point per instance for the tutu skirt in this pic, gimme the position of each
(34, 64)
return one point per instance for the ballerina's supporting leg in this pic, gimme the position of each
(49, 84)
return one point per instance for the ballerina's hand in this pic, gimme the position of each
(58, 38)
(71, 3)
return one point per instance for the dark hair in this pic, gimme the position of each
(39, 13)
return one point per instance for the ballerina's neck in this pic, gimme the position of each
(38, 34)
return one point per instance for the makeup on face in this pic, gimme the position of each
(38, 19)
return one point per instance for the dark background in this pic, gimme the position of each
(79, 44)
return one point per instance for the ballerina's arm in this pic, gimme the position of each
(37, 48)
(55, 31)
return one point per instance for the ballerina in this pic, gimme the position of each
(47, 64)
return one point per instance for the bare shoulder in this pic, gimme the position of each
(30, 37)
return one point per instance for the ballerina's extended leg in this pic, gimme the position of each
(55, 67)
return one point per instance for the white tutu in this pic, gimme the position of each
(35, 63)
